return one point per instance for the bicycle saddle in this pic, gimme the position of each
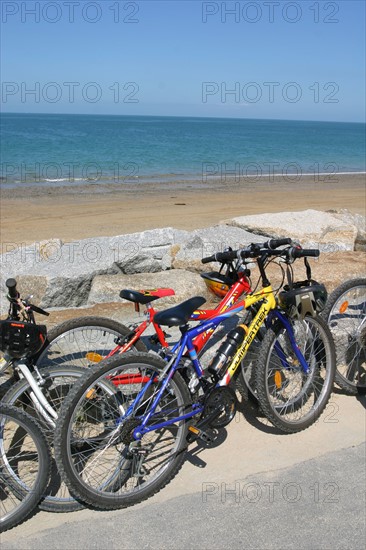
(179, 315)
(145, 296)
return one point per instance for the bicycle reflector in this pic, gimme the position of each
(94, 357)
(19, 339)
(217, 283)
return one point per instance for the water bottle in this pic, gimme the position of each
(226, 351)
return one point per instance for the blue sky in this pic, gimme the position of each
(253, 59)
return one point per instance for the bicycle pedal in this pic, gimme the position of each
(196, 433)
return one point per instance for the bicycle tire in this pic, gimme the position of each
(58, 381)
(345, 313)
(246, 379)
(69, 342)
(16, 506)
(81, 460)
(275, 380)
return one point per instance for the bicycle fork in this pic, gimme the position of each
(281, 354)
(40, 402)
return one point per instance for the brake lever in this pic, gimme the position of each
(37, 309)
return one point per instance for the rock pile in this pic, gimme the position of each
(90, 271)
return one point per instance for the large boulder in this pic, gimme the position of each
(69, 268)
(358, 220)
(106, 288)
(84, 272)
(312, 228)
(206, 242)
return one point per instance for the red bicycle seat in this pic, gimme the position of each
(158, 292)
(145, 296)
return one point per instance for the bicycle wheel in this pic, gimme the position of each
(290, 398)
(24, 466)
(345, 313)
(96, 454)
(82, 342)
(58, 381)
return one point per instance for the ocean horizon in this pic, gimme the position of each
(71, 149)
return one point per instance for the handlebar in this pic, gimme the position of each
(13, 296)
(221, 257)
(268, 248)
(290, 253)
(276, 243)
(303, 252)
(38, 310)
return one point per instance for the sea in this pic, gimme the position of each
(62, 149)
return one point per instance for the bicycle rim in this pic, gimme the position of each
(24, 466)
(58, 382)
(293, 398)
(347, 322)
(104, 465)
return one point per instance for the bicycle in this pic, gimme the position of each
(25, 466)
(346, 316)
(87, 340)
(41, 389)
(124, 427)
(37, 392)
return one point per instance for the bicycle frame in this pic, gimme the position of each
(186, 342)
(267, 312)
(40, 402)
(239, 288)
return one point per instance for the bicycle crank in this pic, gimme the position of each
(222, 400)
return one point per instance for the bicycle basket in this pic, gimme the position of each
(217, 283)
(20, 339)
(304, 298)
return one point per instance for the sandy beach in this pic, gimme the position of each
(30, 214)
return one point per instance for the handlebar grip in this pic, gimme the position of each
(303, 252)
(12, 288)
(247, 252)
(221, 257)
(227, 256)
(275, 243)
(208, 259)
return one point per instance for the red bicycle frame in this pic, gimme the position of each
(239, 288)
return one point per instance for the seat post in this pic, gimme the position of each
(183, 329)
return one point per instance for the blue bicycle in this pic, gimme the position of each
(124, 427)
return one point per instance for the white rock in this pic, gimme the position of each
(106, 288)
(312, 228)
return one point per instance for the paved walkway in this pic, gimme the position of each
(255, 489)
